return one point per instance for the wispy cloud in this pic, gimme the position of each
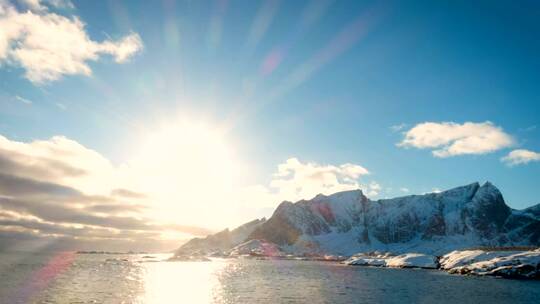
(529, 128)
(23, 100)
(398, 127)
(404, 190)
(127, 193)
(42, 5)
(520, 157)
(447, 139)
(48, 46)
(373, 189)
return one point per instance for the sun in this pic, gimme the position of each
(188, 167)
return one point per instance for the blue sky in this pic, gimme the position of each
(327, 83)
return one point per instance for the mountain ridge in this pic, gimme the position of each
(348, 222)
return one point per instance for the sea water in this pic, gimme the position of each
(67, 277)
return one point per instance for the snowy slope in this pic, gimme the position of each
(256, 248)
(408, 260)
(221, 241)
(348, 222)
(513, 264)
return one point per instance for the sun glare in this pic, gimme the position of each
(197, 283)
(187, 167)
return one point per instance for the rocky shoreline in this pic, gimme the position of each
(499, 262)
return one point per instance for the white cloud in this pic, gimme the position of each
(405, 190)
(520, 157)
(48, 46)
(41, 5)
(60, 3)
(63, 161)
(448, 139)
(23, 100)
(58, 184)
(373, 189)
(296, 180)
(71, 191)
(34, 5)
(433, 190)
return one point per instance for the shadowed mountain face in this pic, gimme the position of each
(221, 241)
(348, 222)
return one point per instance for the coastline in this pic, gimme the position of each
(501, 262)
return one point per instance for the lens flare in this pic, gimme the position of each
(40, 279)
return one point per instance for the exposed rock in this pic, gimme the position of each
(347, 222)
(413, 260)
(278, 228)
(508, 264)
(489, 212)
(216, 244)
(257, 248)
(409, 260)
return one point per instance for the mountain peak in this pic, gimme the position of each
(489, 189)
(489, 185)
(356, 194)
(472, 187)
(490, 211)
(347, 222)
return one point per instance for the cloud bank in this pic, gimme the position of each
(297, 180)
(447, 139)
(48, 46)
(57, 189)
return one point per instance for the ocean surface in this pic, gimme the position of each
(95, 278)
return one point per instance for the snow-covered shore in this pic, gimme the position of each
(408, 260)
(507, 264)
(522, 264)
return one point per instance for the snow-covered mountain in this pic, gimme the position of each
(348, 222)
(221, 241)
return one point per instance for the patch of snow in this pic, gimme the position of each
(408, 260)
(416, 260)
(513, 264)
(348, 222)
(257, 248)
(367, 261)
(459, 258)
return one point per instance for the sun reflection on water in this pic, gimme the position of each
(186, 282)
